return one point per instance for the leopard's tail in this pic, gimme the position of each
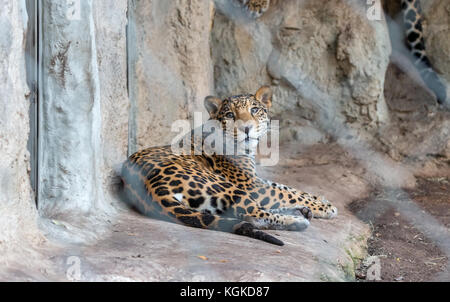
(412, 19)
(168, 208)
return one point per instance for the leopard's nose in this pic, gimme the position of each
(246, 128)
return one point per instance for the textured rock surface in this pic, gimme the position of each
(171, 70)
(436, 29)
(419, 134)
(325, 61)
(18, 215)
(110, 32)
(437, 35)
(84, 105)
(71, 113)
(84, 129)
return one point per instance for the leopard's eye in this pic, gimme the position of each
(229, 115)
(254, 110)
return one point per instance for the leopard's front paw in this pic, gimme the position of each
(302, 211)
(297, 223)
(325, 210)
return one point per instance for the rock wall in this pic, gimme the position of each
(437, 35)
(17, 209)
(111, 43)
(84, 105)
(326, 62)
(436, 30)
(170, 66)
(414, 115)
(70, 104)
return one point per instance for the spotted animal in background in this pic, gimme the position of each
(221, 192)
(412, 19)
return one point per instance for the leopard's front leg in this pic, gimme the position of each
(264, 219)
(247, 209)
(279, 198)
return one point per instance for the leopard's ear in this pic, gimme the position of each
(264, 95)
(212, 105)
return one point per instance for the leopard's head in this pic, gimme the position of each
(242, 117)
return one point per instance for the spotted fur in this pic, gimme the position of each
(255, 8)
(412, 19)
(221, 192)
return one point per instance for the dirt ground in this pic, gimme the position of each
(404, 252)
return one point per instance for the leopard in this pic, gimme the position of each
(414, 40)
(215, 190)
